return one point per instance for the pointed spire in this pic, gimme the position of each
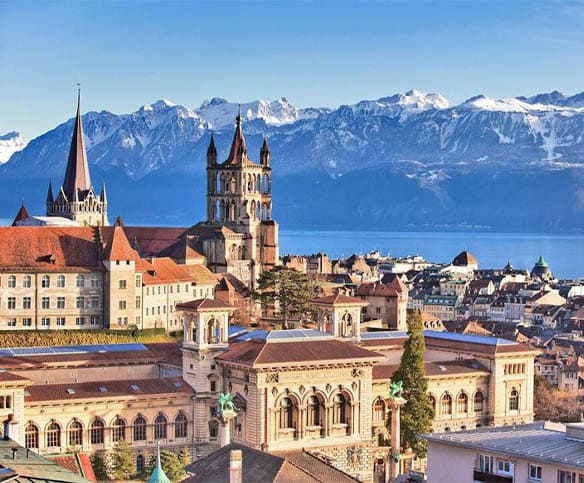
(77, 173)
(50, 198)
(158, 475)
(265, 153)
(211, 152)
(238, 151)
(21, 215)
(103, 195)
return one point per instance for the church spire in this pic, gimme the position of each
(211, 152)
(77, 173)
(50, 198)
(103, 195)
(265, 153)
(238, 151)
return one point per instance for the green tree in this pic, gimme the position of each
(172, 465)
(99, 467)
(288, 291)
(417, 412)
(121, 461)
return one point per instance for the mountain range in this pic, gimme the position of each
(412, 161)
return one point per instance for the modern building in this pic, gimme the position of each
(536, 452)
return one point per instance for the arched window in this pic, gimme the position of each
(80, 281)
(75, 434)
(217, 214)
(180, 426)
(61, 281)
(379, 410)
(478, 401)
(264, 212)
(513, 400)
(313, 411)
(139, 429)
(265, 184)
(160, 427)
(213, 429)
(446, 404)
(96, 432)
(45, 281)
(462, 403)
(347, 325)
(218, 184)
(140, 463)
(53, 435)
(257, 183)
(118, 429)
(286, 413)
(257, 211)
(27, 281)
(31, 436)
(339, 409)
(12, 281)
(432, 400)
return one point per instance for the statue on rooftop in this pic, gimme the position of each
(395, 389)
(226, 403)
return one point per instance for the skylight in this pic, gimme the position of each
(102, 389)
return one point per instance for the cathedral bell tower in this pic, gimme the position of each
(77, 200)
(239, 211)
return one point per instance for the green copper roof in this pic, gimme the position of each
(158, 475)
(541, 262)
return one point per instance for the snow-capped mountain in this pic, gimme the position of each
(10, 143)
(421, 138)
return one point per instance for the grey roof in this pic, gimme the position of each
(27, 465)
(473, 339)
(541, 441)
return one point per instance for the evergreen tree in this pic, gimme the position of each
(121, 461)
(99, 467)
(172, 465)
(288, 291)
(417, 412)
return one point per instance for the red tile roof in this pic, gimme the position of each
(49, 248)
(118, 247)
(91, 390)
(21, 215)
(163, 270)
(339, 299)
(261, 353)
(151, 240)
(378, 289)
(204, 304)
(78, 463)
(9, 379)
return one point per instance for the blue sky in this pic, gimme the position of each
(323, 53)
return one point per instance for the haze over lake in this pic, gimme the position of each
(564, 253)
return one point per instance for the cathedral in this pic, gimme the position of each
(77, 200)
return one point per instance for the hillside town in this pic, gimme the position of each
(261, 367)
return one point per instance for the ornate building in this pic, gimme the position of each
(239, 235)
(77, 200)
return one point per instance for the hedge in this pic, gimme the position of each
(43, 338)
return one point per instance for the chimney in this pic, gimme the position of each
(235, 466)
(11, 430)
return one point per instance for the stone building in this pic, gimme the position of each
(239, 236)
(387, 302)
(77, 200)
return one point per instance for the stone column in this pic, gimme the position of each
(394, 462)
(225, 427)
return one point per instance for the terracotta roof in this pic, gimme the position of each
(7, 378)
(21, 215)
(204, 304)
(434, 369)
(49, 248)
(118, 247)
(339, 299)
(257, 353)
(238, 152)
(378, 289)
(163, 270)
(77, 173)
(107, 389)
(79, 463)
(183, 249)
(464, 259)
(152, 240)
(200, 274)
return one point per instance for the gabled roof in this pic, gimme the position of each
(118, 247)
(21, 215)
(200, 274)
(78, 463)
(464, 259)
(339, 299)
(163, 270)
(273, 352)
(378, 289)
(77, 172)
(204, 304)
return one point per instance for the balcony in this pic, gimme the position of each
(479, 475)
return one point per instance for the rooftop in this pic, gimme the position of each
(541, 441)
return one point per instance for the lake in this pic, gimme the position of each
(564, 253)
